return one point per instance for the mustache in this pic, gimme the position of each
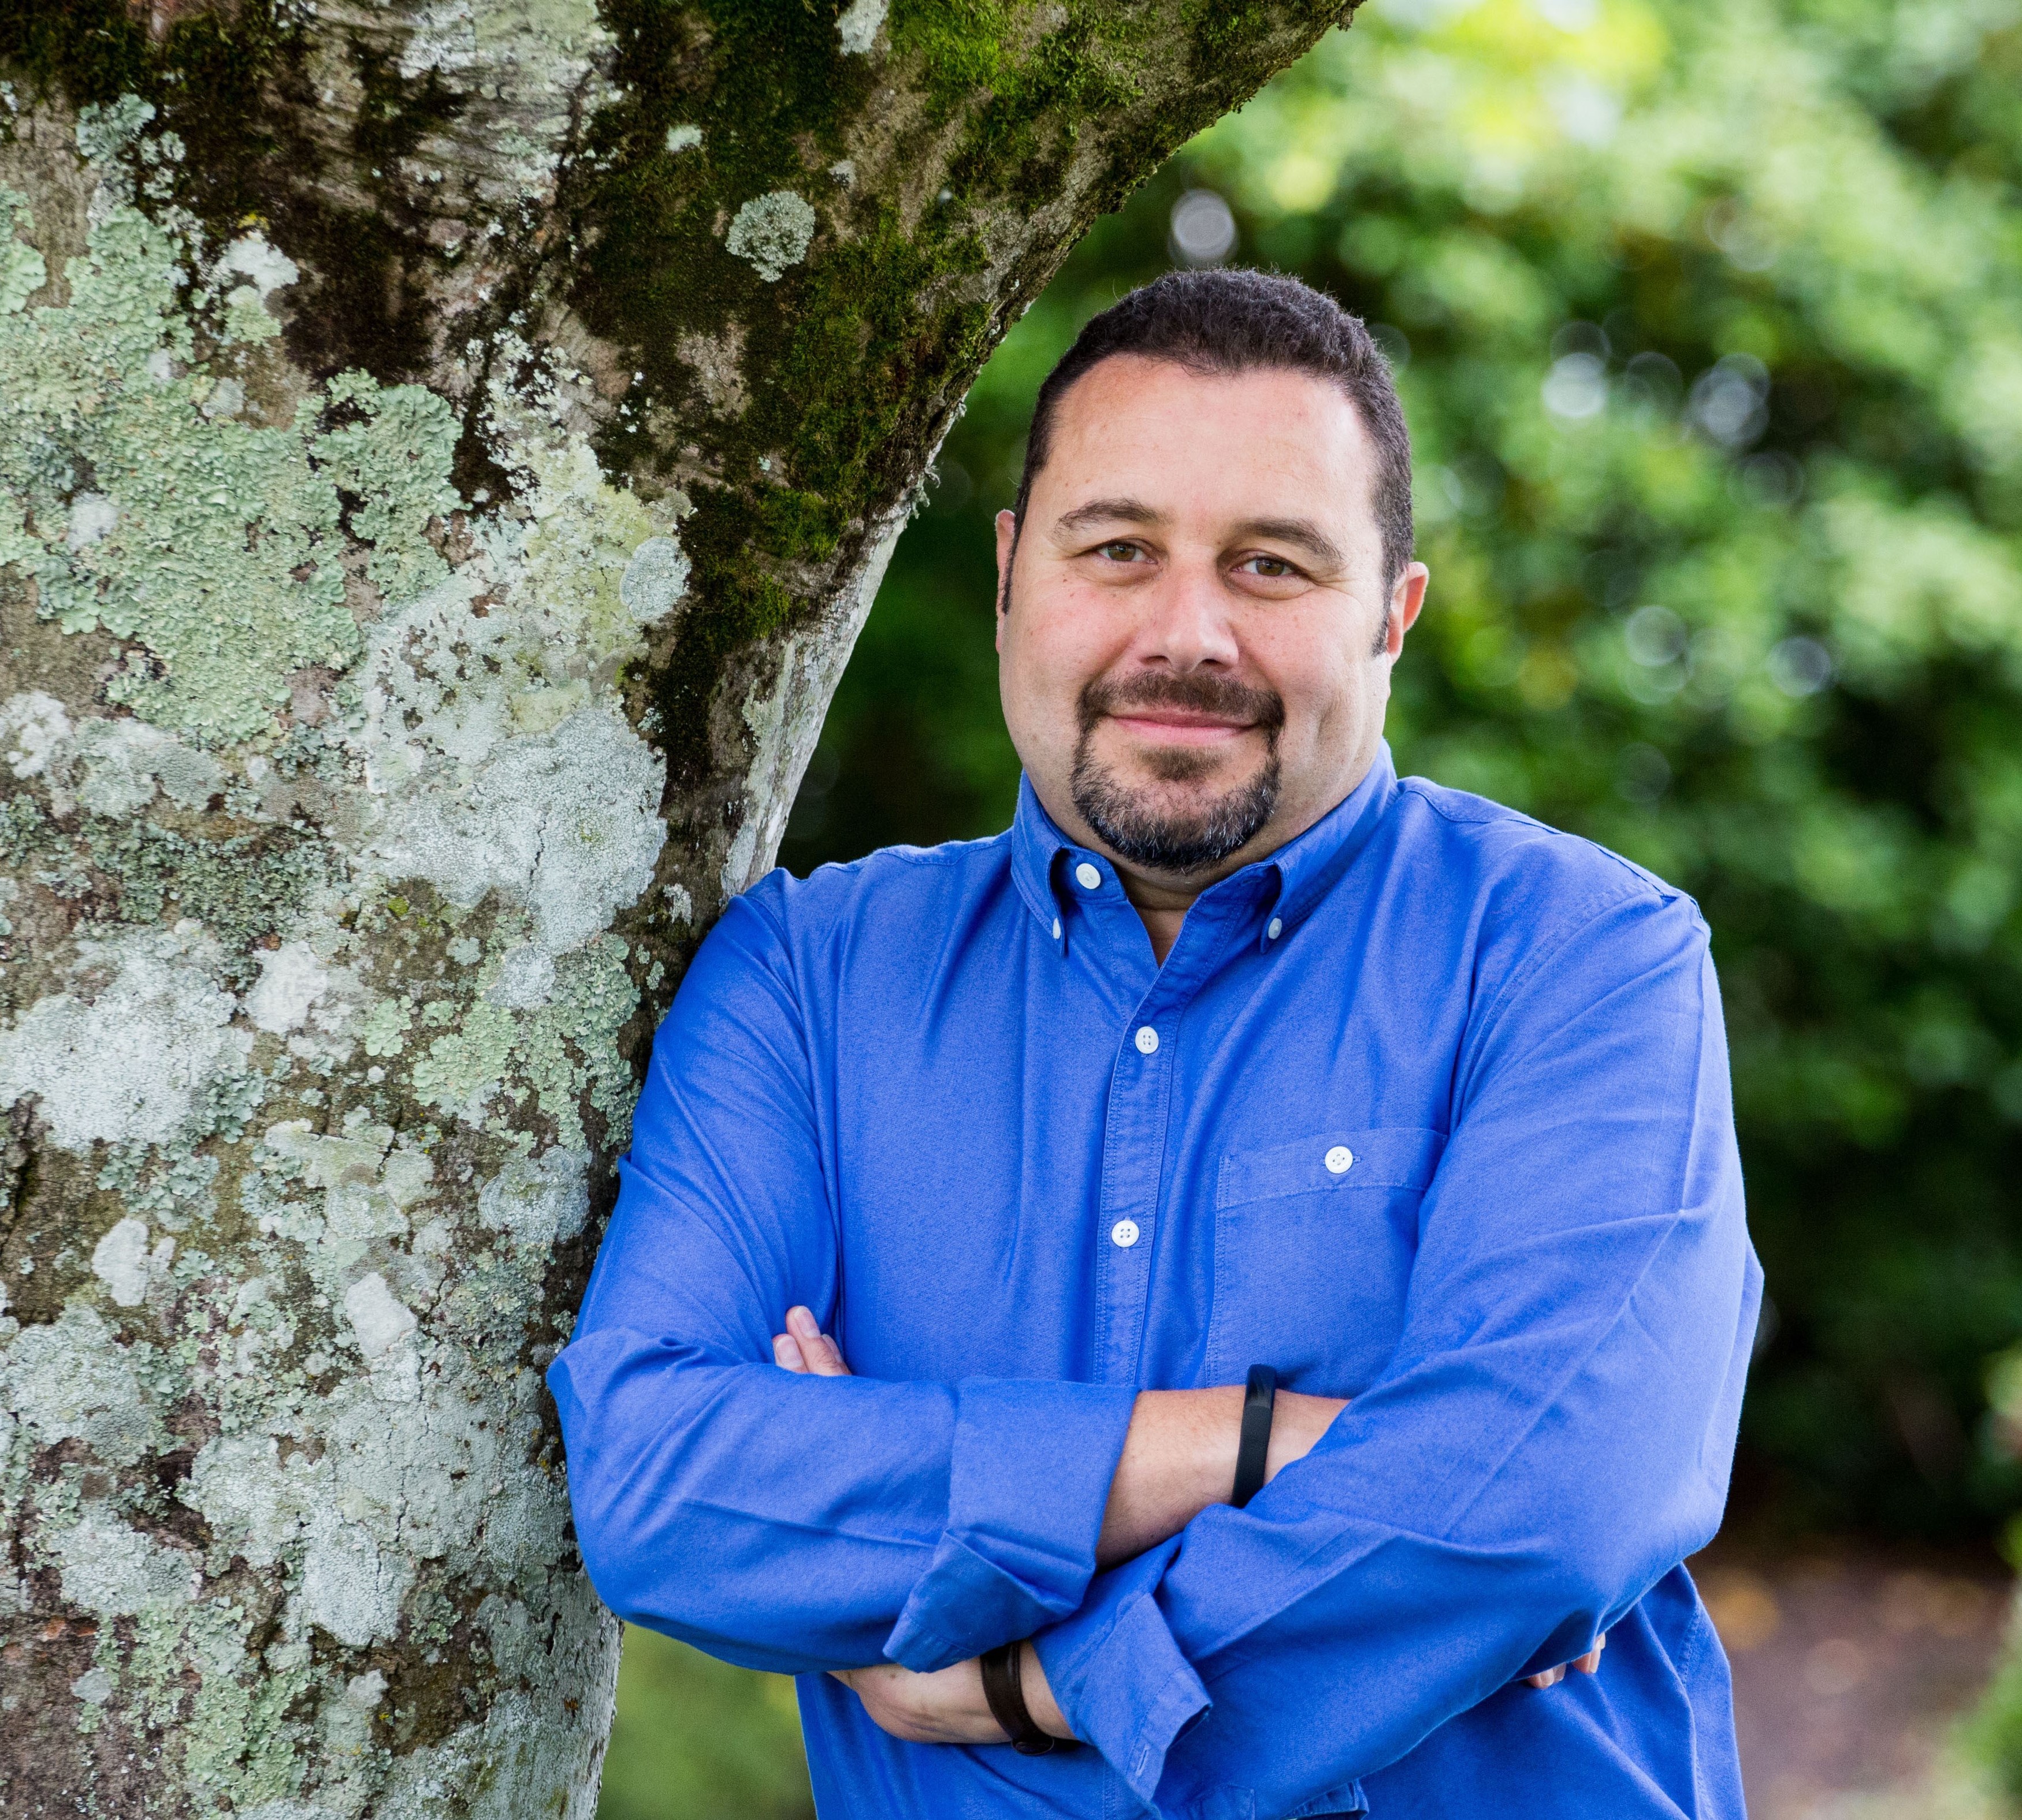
(1222, 697)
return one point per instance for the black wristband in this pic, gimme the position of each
(1003, 1687)
(1252, 1451)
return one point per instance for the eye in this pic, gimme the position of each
(1269, 568)
(1118, 552)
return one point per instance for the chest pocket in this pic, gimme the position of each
(1313, 1246)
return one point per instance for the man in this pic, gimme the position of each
(1235, 1051)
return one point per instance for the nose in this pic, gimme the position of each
(1186, 625)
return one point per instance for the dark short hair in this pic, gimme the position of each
(1233, 322)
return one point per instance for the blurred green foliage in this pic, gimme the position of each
(695, 1739)
(1708, 319)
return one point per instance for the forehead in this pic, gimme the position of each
(1237, 445)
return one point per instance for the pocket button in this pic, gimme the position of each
(1339, 1160)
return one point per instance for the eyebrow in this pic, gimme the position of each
(1108, 511)
(1302, 532)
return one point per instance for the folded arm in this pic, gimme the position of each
(1179, 1453)
(1179, 1457)
(1552, 1435)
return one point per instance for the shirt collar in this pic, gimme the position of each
(1309, 867)
(1039, 851)
(1287, 884)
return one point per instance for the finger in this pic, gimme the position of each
(824, 1357)
(1590, 1661)
(1551, 1678)
(787, 1352)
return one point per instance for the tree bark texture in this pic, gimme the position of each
(446, 453)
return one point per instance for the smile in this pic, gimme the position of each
(1177, 727)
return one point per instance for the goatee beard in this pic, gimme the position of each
(1177, 845)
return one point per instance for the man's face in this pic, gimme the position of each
(1195, 653)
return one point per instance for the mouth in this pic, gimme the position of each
(1183, 728)
(1178, 726)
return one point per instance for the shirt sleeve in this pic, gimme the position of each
(784, 1522)
(1553, 1435)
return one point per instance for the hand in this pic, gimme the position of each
(948, 1706)
(804, 1349)
(1586, 1665)
(945, 1707)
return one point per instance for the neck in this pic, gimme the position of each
(1162, 903)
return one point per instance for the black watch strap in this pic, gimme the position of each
(1003, 1687)
(1252, 1451)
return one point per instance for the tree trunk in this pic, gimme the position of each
(446, 455)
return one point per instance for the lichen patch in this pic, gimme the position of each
(112, 1570)
(773, 232)
(123, 761)
(654, 580)
(121, 1262)
(565, 823)
(34, 731)
(22, 271)
(382, 1321)
(292, 980)
(858, 27)
(69, 1380)
(123, 1061)
(137, 503)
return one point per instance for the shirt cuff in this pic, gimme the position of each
(1028, 1481)
(1119, 1676)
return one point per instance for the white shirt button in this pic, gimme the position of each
(1276, 928)
(1057, 929)
(1086, 876)
(1340, 1159)
(1123, 1235)
(1148, 1039)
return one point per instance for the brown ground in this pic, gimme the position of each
(1848, 1669)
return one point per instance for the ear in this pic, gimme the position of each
(1407, 600)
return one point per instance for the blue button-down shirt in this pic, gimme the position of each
(1428, 1109)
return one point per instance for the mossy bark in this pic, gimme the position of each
(446, 453)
